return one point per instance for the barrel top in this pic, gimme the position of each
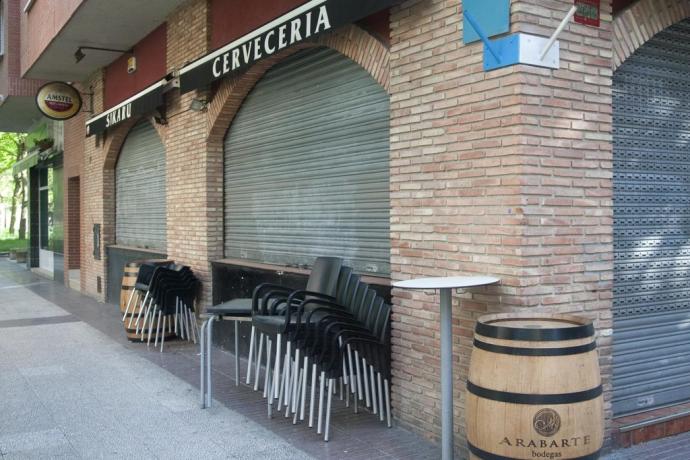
(534, 327)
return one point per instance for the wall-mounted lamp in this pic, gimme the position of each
(79, 54)
(198, 105)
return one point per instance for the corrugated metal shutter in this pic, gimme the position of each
(307, 166)
(140, 205)
(651, 351)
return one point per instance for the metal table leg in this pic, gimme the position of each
(446, 374)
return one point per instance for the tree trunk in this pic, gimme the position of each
(22, 210)
(13, 203)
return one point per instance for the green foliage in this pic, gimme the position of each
(6, 245)
(9, 146)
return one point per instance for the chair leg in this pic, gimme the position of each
(304, 388)
(141, 308)
(145, 310)
(388, 402)
(237, 353)
(153, 316)
(209, 353)
(295, 382)
(365, 373)
(299, 390)
(177, 309)
(359, 376)
(347, 395)
(129, 304)
(269, 382)
(163, 333)
(202, 363)
(313, 395)
(381, 414)
(372, 381)
(288, 361)
(250, 358)
(257, 366)
(276, 370)
(322, 382)
(183, 323)
(331, 382)
(268, 363)
(192, 322)
(158, 328)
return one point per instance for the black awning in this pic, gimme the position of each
(141, 103)
(303, 23)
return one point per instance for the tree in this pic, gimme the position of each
(12, 149)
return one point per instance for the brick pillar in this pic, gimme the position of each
(194, 174)
(93, 183)
(506, 173)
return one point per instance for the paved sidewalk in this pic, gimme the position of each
(79, 388)
(72, 386)
(69, 391)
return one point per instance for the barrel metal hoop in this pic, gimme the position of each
(535, 351)
(534, 399)
(484, 455)
(535, 335)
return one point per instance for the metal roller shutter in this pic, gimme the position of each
(140, 204)
(307, 166)
(651, 107)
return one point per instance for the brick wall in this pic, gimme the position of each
(93, 182)
(505, 173)
(194, 202)
(11, 82)
(637, 24)
(74, 134)
(72, 225)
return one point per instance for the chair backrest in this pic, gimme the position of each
(324, 275)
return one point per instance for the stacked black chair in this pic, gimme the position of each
(141, 286)
(270, 299)
(170, 298)
(345, 340)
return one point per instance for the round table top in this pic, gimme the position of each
(446, 282)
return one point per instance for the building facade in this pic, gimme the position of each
(380, 138)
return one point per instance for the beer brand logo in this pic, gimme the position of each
(58, 100)
(547, 422)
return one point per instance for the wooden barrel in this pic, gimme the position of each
(534, 389)
(129, 279)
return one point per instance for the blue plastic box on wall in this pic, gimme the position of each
(492, 15)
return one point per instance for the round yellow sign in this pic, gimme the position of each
(58, 100)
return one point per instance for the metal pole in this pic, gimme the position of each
(446, 374)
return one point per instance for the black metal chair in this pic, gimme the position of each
(270, 299)
(347, 341)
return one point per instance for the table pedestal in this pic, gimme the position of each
(446, 374)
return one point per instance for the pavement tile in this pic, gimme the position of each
(28, 440)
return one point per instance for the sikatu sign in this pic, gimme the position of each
(141, 103)
(303, 23)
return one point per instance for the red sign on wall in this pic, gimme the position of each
(588, 12)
